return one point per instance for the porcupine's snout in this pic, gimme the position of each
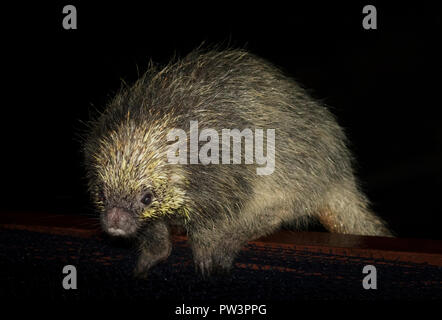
(119, 222)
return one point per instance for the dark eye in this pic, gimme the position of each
(146, 199)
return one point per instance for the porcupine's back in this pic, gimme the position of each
(234, 89)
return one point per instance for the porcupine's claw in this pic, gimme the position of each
(204, 267)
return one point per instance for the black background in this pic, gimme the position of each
(383, 85)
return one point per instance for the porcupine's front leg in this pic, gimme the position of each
(214, 249)
(214, 253)
(155, 246)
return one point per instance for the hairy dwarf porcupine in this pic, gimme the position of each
(221, 206)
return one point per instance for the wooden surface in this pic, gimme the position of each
(379, 248)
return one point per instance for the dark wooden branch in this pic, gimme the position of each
(378, 248)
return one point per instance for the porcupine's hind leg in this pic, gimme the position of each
(215, 248)
(346, 210)
(155, 246)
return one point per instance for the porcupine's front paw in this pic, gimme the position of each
(204, 265)
(142, 268)
(209, 264)
(149, 258)
(155, 246)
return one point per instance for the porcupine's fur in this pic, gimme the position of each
(222, 206)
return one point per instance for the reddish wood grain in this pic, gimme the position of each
(377, 248)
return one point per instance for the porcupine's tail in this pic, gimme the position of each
(346, 210)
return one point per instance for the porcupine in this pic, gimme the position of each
(221, 206)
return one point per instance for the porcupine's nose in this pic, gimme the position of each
(119, 222)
